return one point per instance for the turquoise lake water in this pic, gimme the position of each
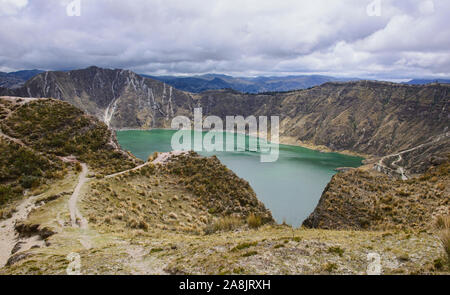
(290, 187)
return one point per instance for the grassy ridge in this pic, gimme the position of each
(38, 133)
(218, 187)
(58, 128)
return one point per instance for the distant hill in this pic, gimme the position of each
(17, 79)
(193, 84)
(261, 84)
(25, 74)
(9, 81)
(427, 81)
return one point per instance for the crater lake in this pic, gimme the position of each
(290, 187)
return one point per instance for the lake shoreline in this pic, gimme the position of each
(284, 140)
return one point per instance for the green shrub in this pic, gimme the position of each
(336, 250)
(156, 250)
(28, 182)
(439, 263)
(5, 193)
(330, 267)
(250, 253)
(244, 246)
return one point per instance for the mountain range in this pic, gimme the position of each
(364, 117)
(197, 84)
(200, 83)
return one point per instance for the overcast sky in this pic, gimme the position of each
(396, 39)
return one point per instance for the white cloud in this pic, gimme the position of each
(426, 7)
(241, 37)
(11, 7)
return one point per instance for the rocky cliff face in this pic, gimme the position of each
(375, 118)
(367, 117)
(120, 98)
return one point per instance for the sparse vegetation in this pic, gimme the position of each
(217, 187)
(381, 202)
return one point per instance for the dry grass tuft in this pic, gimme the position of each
(442, 222)
(445, 240)
(254, 221)
(443, 225)
(444, 236)
(227, 223)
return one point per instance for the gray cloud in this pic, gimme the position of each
(410, 38)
